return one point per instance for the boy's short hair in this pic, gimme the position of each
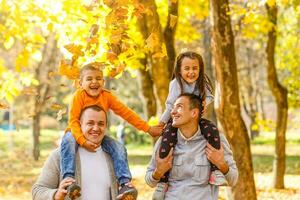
(94, 66)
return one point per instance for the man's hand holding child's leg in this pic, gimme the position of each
(90, 146)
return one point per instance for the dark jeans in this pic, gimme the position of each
(169, 140)
(115, 149)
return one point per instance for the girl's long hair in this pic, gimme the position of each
(202, 82)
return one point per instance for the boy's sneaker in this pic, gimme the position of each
(73, 191)
(128, 192)
(160, 191)
(217, 178)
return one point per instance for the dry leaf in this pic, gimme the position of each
(152, 41)
(173, 20)
(174, 1)
(60, 114)
(72, 72)
(74, 49)
(29, 91)
(3, 106)
(56, 106)
(111, 56)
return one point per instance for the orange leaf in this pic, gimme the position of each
(3, 106)
(29, 91)
(74, 49)
(72, 72)
(152, 41)
(111, 56)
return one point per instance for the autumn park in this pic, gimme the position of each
(249, 50)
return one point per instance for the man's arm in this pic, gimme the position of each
(158, 166)
(223, 159)
(48, 181)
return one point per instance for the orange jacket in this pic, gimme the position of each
(107, 101)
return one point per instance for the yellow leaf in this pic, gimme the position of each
(174, 1)
(9, 42)
(50, 27)
(56, 106)
(271, 3)
(173, 20)
(153, 121)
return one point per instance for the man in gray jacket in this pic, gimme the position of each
(188, 161)
(94, 170)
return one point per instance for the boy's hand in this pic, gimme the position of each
(155, 130)
(90, 146)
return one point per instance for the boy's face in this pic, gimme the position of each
(92, 82)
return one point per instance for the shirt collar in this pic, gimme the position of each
(198, 132)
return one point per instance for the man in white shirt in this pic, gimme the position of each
(94, 170)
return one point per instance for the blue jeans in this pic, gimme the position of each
(115, 149)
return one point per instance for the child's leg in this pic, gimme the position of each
(211, 134)
(169, 140)
(118, 154)
(67, 155)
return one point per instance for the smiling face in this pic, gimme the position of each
(92, 82)
(189, 70)
(93, 125)
(182, 114)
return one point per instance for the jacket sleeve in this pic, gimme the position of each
(74, 121)
(48, 181)
(151, 166)
(174, 92)
(127, 114)
(232, 174)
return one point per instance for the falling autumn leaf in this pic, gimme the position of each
(29, 91)
(111, 56)
(152, 41)
(56, 106)
(3, 106)
(72, 72)
(74, 49)
(60, 114)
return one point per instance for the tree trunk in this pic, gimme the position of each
(160, 66)
(227, 104)
(147, 90)
(36, 135)
(50, 56)
(210, 111)
(280, 94)
(169, 34)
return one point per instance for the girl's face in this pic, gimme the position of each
(189, 70)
